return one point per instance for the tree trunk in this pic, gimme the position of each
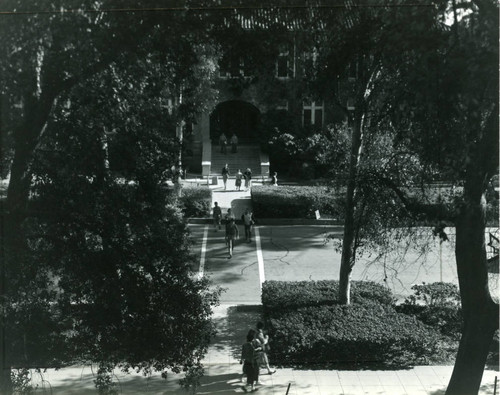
(347, 259)
(479, 310)
(12, 236)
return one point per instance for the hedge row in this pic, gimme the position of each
(353, 334)
(296, 201)
(281, 295)
(308, 326)
(196, 201)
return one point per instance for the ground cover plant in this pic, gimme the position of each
(308, 326)
(296, 201)
(196, 201)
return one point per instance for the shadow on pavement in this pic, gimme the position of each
(222, 383)
(297, 238)
(232, 330)
(238, 207)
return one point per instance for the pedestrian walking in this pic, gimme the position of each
(248, 222)
(250, 352)
(228, 216)
(217, 214)
(264, 340)
(234, 143)
(248, 178)
(232, 233)
(237, 182)
(223, 143)
(225, 175)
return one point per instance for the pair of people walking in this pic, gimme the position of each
(223, 143)
(254, 354)
(238, 178)
(232, 231)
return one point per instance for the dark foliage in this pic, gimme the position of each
(196, 201)
(295, 201)
(308, 327)
(436, 304)
(281, 295)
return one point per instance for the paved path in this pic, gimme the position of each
(302, 253)
(284, 253)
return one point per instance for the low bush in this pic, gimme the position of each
(351, 334)
(447, 319)
(296, 201)
(434, 294)
(308, 326)
(436, 304)
(196, 201)
(284, 295)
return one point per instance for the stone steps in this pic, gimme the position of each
(248, 156)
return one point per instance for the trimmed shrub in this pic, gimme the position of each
(308, 326)
(350, 334)
(436, 304)
(284, 295)
(196, 201)
(435, 294)
(295, 201)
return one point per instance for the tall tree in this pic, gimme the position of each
(51, 54)
(351, 45)
(447, 114)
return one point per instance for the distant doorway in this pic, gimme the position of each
(235, 116)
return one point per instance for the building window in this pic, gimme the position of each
(353, 70)
(282, 105)
(313, 114)
(350, 104)
(232, 68)
(309, 62)
(248, 67)
(282, 65)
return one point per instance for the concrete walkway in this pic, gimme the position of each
(281, 253)
(237, 201)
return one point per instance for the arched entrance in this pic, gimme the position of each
(235, 116)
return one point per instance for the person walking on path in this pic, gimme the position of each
(223, 143)
(250, 359)
(248, 178)
(225, 175)
(217, 214)
(264, 340)
(232, 233)
(248, 222)
(234, 143)
(228, 216)
(237, 182)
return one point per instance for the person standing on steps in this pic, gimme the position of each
(225, 175)
(217, 216)
(237, 182)
(248, 222)
(234, 144)
(248, 178)
(223, 143)
(232, 233)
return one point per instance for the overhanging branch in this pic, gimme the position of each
(423, 211)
